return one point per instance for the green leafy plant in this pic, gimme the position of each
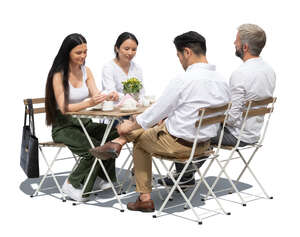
(132, 86)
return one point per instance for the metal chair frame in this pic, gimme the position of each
(248, 112)
(49, 162)
(202, 121)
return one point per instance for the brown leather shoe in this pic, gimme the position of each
(109, 150)
(143, 206)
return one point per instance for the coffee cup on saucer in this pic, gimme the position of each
(145, 101)
(151, 98)
(108, 106)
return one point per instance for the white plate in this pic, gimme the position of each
(93, 108)
(96, 107)
(107, 109)
(128, 110)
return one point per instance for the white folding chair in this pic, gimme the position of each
(49, 162)
(216, 115)
(252, 108)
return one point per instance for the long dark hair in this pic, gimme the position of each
(122, 37)
(60, 64)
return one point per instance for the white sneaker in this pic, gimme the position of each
(101, 184)
(74, 193)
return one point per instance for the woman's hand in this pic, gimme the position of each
(113, 96)
(97, 99)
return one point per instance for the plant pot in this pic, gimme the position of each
(135, 96)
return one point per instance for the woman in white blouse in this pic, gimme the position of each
(122, 68)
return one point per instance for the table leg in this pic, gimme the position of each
(106, 133)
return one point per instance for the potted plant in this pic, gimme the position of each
(132, 87)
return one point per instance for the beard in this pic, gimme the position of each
(239, 52)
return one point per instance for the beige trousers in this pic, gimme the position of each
(158, 141)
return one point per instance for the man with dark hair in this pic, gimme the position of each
(191, 40)
(253, 80)
(199, 86)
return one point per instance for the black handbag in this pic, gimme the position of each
(29, 150)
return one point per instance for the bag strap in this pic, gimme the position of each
(31, 116)
(25, 117)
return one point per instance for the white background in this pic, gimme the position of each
(31, 34)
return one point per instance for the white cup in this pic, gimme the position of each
(108, 105)
(151, 98)
(145, 101)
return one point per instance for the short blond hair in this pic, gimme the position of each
(253, 36)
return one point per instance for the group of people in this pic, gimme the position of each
(167, 126)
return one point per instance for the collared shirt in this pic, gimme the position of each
(253, 80)
(200, 86)
(113, 76)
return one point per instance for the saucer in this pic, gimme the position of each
(128, 109)
(95, 107)
(107, 109)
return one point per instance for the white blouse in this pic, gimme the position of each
(113, 76)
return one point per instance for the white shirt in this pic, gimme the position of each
(253, 80)
(200, 86)
(113, 76)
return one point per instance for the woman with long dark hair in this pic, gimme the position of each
(122, 67)
(71, 87)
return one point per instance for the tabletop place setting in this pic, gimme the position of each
(126, 105)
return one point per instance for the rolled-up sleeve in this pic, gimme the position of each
(164, 106)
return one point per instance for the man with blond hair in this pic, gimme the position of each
(253, 80)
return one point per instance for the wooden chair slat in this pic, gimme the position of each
(256, 112)
(211, 120)
(37, 110)
(214, 110)
(35, 101)
(261, 102)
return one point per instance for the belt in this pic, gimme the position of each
(184, 142)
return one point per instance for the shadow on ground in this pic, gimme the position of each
(106, 198)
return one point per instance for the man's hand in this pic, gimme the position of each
(127, 126)
(161, 122)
